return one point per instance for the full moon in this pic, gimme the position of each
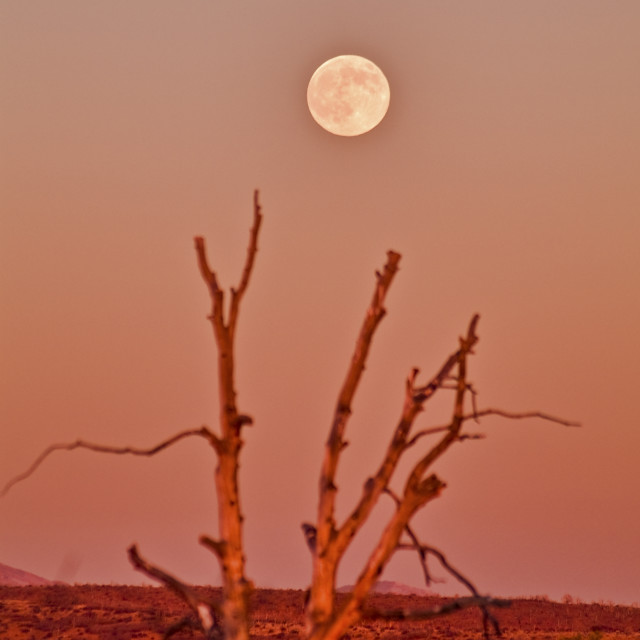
(348, 95)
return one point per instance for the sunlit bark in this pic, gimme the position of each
(229, 549)
(328, 541)
(230, 619)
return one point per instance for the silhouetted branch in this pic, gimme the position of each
(205, 610)
(512, 415)
(520, 415)
(203, 432)
(482, 602)
(423, 550)
(436, 612)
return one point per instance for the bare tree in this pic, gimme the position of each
(229, 619)
(328, 540)
(229, 547)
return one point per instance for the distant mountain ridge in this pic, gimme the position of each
(10, 577)
(388, 586)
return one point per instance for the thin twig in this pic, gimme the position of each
(416, 543)
(476, 415)
(423, 550)
(524, 414)
(487, 616)
(203, 432)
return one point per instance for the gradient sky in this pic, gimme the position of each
(505, 173)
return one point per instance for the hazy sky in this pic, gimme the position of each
(505, 173)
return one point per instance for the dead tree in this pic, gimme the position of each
(328, 540)
(229, 547)
(229, 619)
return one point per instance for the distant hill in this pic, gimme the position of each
(388, 586)
(11, 577)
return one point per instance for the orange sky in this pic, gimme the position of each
(505, 172)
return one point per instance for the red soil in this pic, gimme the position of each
(91, 612)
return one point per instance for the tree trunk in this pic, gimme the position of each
(229, 547)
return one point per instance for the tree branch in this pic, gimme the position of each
(229, 547)
(436, 612)
(482, 602)
(423, 393)
(330, 543)
(520, 415)
(326, 550)
(457, 419)
(205, 610)
(81, 444)
(414, 401)
(335, 444)
(219, 547)
(252, 249)
(208, 275)
(512, 415)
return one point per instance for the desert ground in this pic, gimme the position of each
(88, 612)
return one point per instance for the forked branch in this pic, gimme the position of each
(326, 549)
(229, 549)
(423, 551)
(482, 602)
(328, 542)
(209, 276)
